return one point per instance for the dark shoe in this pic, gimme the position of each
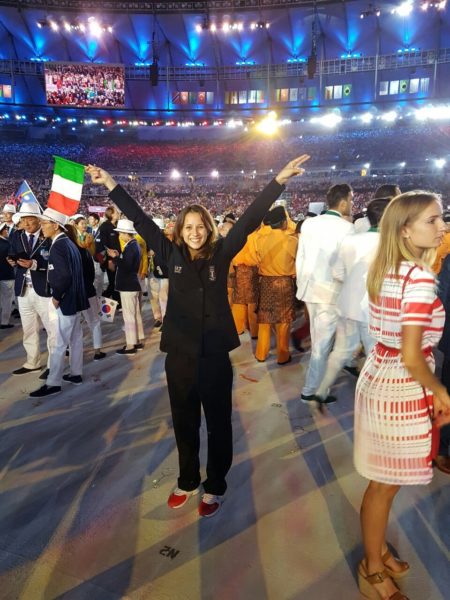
(125, 351)
(139, 346)
(46, 390)
(353, 371)
(44, 374)
(25, 371)
(15, 313)
(286, 362)
(75, 379)
(157, 323)
(6, 326)
(308, 399)
(327, 400)
(99, 355)
(443, 463)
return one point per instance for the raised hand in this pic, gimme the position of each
(292, 169)
(100, 177)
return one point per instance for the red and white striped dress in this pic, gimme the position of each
(392, 410)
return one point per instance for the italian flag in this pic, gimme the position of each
(67, 185)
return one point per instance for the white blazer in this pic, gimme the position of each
(351, 267)
(319, 242)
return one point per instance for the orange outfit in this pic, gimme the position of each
(276, 250)
(244, 315)
(441, 253)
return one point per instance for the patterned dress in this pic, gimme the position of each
(392, 410)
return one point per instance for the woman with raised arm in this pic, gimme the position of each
(199, 330)
(397, 394)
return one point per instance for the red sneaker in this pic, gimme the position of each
(209, 505)
(179, 497)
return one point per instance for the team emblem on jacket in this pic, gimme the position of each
(178, 269)
(212, 273)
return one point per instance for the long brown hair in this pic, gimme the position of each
(207, 249)
(393, 247)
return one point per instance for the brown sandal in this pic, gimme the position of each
(401, 563)
(367, 582)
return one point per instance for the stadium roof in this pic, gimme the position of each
(180, 32)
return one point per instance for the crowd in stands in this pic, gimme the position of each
(244, 167)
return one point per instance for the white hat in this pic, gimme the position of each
(77, 216)
(9, 208)
(16, 218)
(2, 226)
(50, 214)
(125, 226)
(160, 222)
(316, 207)
(29, 209)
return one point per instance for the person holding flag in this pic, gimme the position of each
(65, 277)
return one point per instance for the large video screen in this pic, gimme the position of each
(76, 84)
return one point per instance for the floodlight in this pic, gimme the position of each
(440, 162)
(175, 174)
(366, 117)
(390, 116)
(214, 173)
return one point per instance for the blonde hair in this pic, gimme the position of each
(393, 248)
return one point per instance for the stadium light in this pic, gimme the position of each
(330, 120)
(440, 162)
(269, 125)
(214, 173)
(405, 9)
(175, 174)
(390, 116)
(366, 117)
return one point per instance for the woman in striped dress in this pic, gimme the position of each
(397, 392)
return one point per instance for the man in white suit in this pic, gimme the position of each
(351, 268)
(319, 243)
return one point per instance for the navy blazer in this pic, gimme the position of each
(198, 320)
(444, 295)
(128, 263)
(88, 271)
(6, 270)
(19, 247)
(65, 276)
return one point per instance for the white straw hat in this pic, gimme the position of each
(9, 208)
(125, 226)
(50, 214)
(29, 209)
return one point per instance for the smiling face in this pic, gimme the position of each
(194, 232)
(81, 225)
(426, 231)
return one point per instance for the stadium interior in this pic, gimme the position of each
(203, 101)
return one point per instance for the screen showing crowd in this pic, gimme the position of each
(85, 85)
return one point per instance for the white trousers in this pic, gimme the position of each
(159, 289)
(131, 312)
(323, 320)
(349, 336)
(6, 299)
(68, 334)
(93, 321)
(99, 279)
(33, 311)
